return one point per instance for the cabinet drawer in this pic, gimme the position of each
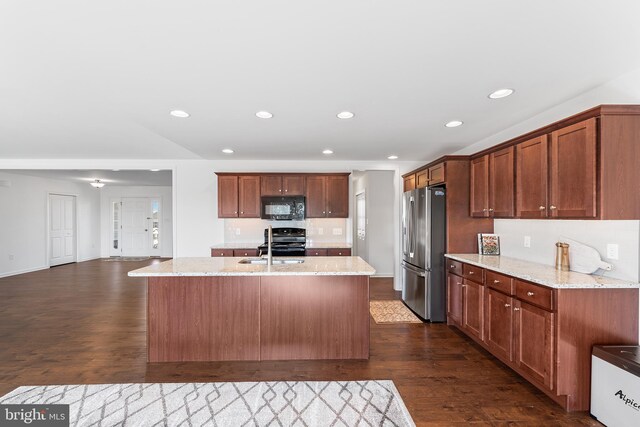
(534, 294)
(472, 272)
(454, 267)
(245, 252)
(339, 252)
(222, 252)
(499, 282)
(316, 252)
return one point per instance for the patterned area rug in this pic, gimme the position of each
(280, 403)
(126, 258)
(392, 311)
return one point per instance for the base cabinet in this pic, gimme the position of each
(544, 334)
(534, 342)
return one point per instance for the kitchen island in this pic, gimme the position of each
(214, 309)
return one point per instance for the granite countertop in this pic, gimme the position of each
(310, 245)
(312, 266)
(541, 274)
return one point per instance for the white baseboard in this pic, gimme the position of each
(90, 258)
(28, 270)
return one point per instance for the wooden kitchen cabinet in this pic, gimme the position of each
(473, 308)
(454, 300)
(492, 184)
(221, 252)
(249, 197)
(339, 252)
(534, 346)
(501, 183)
(327, 196)
(245, 252)
(422, 178)
(479, 189)
(238, 196)
(410, 182)
(436, 174)
(282, 185)
(572, 171)
(531, 178)
(316, 252)
(498, 330)
(228, 196)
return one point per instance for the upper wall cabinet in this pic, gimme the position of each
(531, 178)
(327, 196)
(238, 196)
(492, 184)
(428, 176)
(572, 171)
(282, 185)
(557, 179)
(410, 182)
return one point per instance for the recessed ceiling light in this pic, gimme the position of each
(345, 115)
(327, 151)
(179, 113)
(454, 123)
(154, 170)
(227, 151)
(264, 114)
(501, 93)
(392, 157)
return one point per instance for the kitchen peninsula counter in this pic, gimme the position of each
(214, 309)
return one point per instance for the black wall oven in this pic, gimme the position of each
(285, 208)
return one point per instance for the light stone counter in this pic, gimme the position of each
(312, 266)
(541, 274)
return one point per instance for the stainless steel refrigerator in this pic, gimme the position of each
(423, 247)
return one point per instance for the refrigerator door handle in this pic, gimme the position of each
(411, 226)
(414, 270)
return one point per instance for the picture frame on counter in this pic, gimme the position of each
(488, 244)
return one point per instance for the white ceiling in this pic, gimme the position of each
(109, 177)
(82, 79)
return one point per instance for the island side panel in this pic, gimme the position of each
(314, 317)
(203, 318)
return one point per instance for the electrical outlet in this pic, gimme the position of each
(337, 231)
(612, 251)
(527, 241)
(237, 231)
(321, 231)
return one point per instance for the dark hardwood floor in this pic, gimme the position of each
(85, 323)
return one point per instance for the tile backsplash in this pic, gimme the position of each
(597, 234)
(248, 230)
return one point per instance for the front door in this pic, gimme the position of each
(62, 229)
(135, 227)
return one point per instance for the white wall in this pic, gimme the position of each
(23, 221)
(109, 192)
(597, 234)
(379, 190)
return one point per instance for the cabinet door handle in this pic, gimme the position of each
(470, 273)
(452, 266)
(516, 309)
(507, 305)
(484, 210)
(490, 209)
(552, 207)
(542, 208)
(496, 281)
(323, 212)
(286, 191)
(530, 293)
(235, 212)
(242, 213)
(339, 253)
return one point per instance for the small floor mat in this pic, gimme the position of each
(392, 311)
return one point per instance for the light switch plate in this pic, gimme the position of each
(527, 241)
(237, 231)
(612, 251)
(320, 231)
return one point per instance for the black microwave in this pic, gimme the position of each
(285, 208)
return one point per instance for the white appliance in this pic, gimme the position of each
(615, 385)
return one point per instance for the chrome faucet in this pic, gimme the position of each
(269, 243)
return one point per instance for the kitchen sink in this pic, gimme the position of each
(263, 261)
